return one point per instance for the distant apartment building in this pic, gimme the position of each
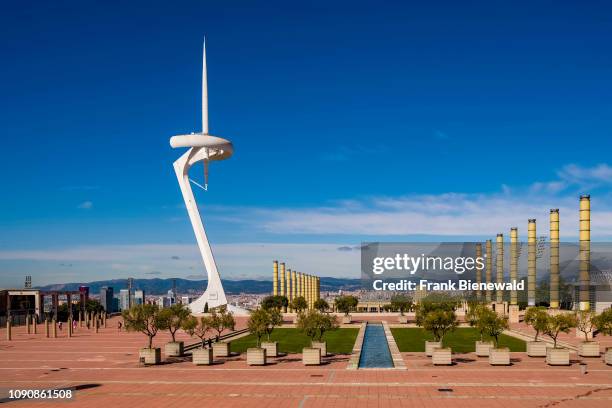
(106, 299)
(125, 299)
(186, 300)
(139, 297)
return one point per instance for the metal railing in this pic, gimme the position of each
(212, 340)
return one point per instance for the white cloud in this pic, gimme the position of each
(85, 205)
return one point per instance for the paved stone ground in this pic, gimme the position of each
(104, 367)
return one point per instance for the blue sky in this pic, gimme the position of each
(351, 121)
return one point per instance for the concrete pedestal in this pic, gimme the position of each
(442, 356)
(499, 308)
(536, 349)
(174, 349)
(557, 356)
(256, 356)
(430, 346)
(499, 356)
(271, 348)
(151, 356)
(321, 345)
(346, 319)
(221, 349)
(202, 356)
(588, 349)
(311, 356)
(402, 319)
(513, 314)
(483, 348)
(608, 356)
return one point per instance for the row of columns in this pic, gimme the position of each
(292, 285)
(97, 321)
(584, 260)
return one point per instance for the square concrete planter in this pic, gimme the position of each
(202, 356)
(174, 349)
(321, 345)
(430, 346)
(402, 319)
(151, 356)
(442, 356)
(271, 348)
(483, 348)
(221, 349)
(256, 356)
(311, 356)
(536, 349)
(346, 319)
(588, 349)
(608, 356)
(557, 356)
(499, 356)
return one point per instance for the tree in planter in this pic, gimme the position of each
(174, 318)
(258, 323)
(274, 302)
(476, 316)
(584, 322)
(557, 324)
(299, 304)
(144, 319)
(433, 303)
(221, 319)
(346, 304)
(198, 327)
(493, 324)
(315, 324)
(440, 322)
(275, 319)
(537, 318)
(402, 304)
(321, 305)
(603, 322)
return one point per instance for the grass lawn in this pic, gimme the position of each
(339, 341)
(462, 340)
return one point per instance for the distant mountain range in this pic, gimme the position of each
(158, 286)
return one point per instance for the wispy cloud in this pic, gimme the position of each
(85, 205)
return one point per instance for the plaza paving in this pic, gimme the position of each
(104, 369)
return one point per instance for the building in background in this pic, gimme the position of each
(106, 299)
(186, 299)
(125, 299)
(139, 297)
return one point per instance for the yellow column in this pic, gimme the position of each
(531, 262)
(283, 283)
(308, 291)
(554, 258)
(275, 279)
(289, 293)
(513, 263)
(585, 251)
(303, 279)
(298, 282)
(478, 271)
(293, 285)
(499, 295)
(489, 271)
(318, 288)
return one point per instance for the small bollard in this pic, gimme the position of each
(27, 322)
(69, 324)
(35, 324)
(97, 325)
(9, 334)
(54, 328)
(46, 328)
(583, 368)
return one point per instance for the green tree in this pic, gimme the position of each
(258, 323)
(315, 324)
(144, 319)
(494, 325)
(559, 323)
(221, 319)
(173, 318)
(603, 322)
(484, 315)
(274, 302)
(537, 318)
(346, 304)
(585, 323)
(439, 322)
(401, 303)
(275, 319)
(299, 304)
(433, 303)
(198, 327)
(321, 305)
